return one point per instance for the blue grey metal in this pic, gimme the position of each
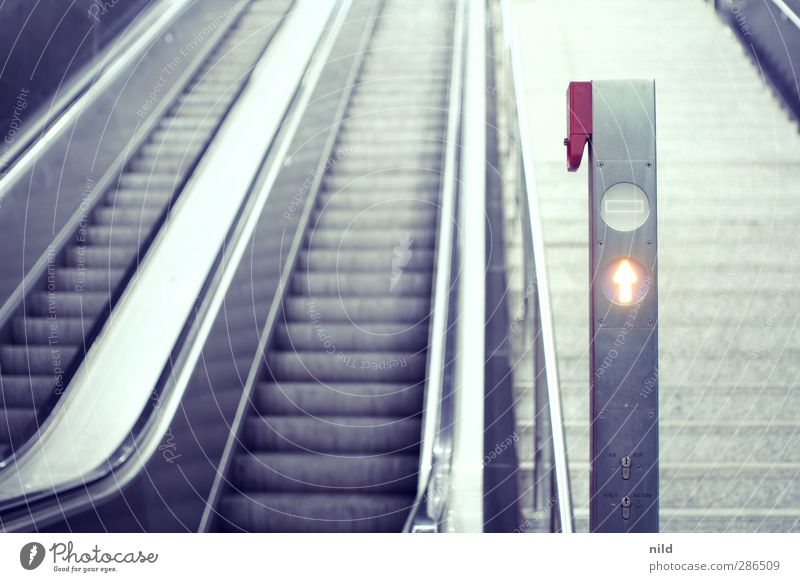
(624, 308)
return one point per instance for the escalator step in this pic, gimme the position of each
(405, 256)
(63, 304)
(117, 235)
(356, 311)
(401, 179)
(325, 473)
(162, 164)
(35, 360)
(387, 238)
(346, 367)
(346, 336)
(92, 280)
(100, 256)
(138, 198)
(333, 434)
(139, 180)
(375, 218)
(43, 330)
(362, 285)
(319, 512)
(347, 200)
(337, 399)
(13, 424)
(25, 391)
(127, 216)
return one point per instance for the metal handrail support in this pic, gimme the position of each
(430, 504)
(550, 442)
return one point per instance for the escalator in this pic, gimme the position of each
(330, 440)
(58, 317)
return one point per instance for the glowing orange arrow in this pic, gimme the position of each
(624, 278)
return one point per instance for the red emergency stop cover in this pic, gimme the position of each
(579, 121)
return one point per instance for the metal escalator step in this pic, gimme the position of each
(356, 311)
(358, 168)
(25, 391)
(156, 150)
(325, 473)
(318, 512)
(100, 257)
(388, 238)
(202, 110)
(377, 122)
(348, 199)
(338, 399)
(145, 180)
(42, 330)
(171, 123)
(376, 217)
(403, 258)
(347, 336)
(35, 360)
(127, 216)
(362, 285)
(347, 367)
(333, 434)
(138, 198)
(399, 178)
(117, 234)
(213, 98)
(162, 164)
(391, 147)
(63, 304)
(79, 280)
(14, 424)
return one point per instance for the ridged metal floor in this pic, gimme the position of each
(729, 263)
(332, 441)
(82, 278)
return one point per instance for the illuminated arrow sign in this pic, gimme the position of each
(624, 278)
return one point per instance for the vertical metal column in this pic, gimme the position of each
(623, 250)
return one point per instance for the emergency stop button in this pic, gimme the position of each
(579, 121)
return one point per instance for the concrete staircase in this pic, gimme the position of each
(729, 163)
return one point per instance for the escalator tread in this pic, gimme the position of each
(332, 439)
(57, 313)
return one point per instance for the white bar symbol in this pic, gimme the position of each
(624, 206)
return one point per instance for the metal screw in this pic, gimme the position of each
(649, 322)
(599, 243)
(649, 164)
(600, 321)
(600, 164)
(566, 141)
